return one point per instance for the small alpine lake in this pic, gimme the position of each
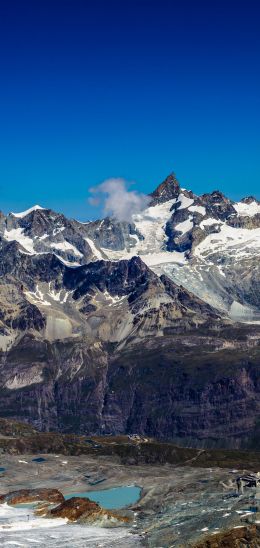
(113, 498)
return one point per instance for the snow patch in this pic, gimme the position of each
(247, 210)
(24, 213)
(43, 237)
(17, 520)
(153, 259)
(114, 299)
(185, 201)
(94, 250)
(17, 235)
(37, 297)
(234, 242)
(151, 224)
(71, 264)
(6, 341)
(209, 222)
(197, 209)
(185, 226)
(58, 230)
(66, 247)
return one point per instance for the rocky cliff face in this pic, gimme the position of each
(118, 327)
(196, 389)
(202, 398)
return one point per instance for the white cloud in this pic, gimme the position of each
(117, 200)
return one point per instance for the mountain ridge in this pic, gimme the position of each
(150, 325)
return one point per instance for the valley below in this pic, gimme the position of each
(178, 505)
(183, 496)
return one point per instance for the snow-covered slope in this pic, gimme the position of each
(25, 213)
(208, 244)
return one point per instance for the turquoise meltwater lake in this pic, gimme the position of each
(114, 498)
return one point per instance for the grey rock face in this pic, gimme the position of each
(218, 206)
(113, 234)
(163, 388)
(167, 190)
(44, 231)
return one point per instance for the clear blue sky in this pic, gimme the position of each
(130, 88)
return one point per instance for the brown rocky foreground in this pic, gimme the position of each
(85, 510)
(32, 495)
(239, 537)
(74, 509)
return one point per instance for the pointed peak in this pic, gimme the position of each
(167, 190)
(215, 197)
(30, 210)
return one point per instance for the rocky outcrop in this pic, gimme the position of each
(238, 537)
(75, 508)
(218, 206)
(112, 234)
(84, 510)
(32, 495)
(167, 190)
(13, 428)
(245, 222)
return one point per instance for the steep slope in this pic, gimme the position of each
(102, 300)
(54, 368)
(199, 388)
(208, 243)
(40, 230)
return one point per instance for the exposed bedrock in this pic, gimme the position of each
(168, 389)
(32, 495)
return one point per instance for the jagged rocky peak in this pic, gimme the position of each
(249, 200)
(36, 221)
(218, 205)
(167, 190)
(110, 233)
(27, 211)
(39, 230)
(118, 278)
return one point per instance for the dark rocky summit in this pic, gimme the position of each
(167, 190)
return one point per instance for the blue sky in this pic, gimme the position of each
(133, 89)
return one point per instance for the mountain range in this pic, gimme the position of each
(149, 326)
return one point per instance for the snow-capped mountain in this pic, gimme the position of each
(208, 244)
(146, 326)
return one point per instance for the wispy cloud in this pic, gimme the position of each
(117, 201)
